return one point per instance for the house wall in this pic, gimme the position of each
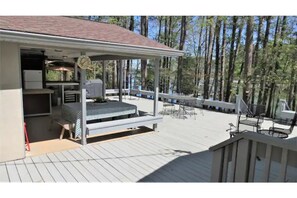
(11, 105)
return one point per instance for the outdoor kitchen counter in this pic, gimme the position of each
(62, 84)
(37, 102)
(37, 91)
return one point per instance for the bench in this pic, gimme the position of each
(65, 126)
(101, 127)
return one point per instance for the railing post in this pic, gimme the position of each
(156, 91)
(253, 161)
(242, 161)
(217, 165)
(267, 163)
(284, 163)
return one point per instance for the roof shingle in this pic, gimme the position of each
(76, 28)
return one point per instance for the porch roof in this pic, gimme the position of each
(72, 33)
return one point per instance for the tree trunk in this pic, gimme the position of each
(223, 60)
(129, 62)
(183, 33)
(248, 60)
(277, 65)
(291, 87)
(230, 69)
(162, 81)
(168, 65)
(237, 44)
(264, 62)
(144, 32)
(239, 80)
(207, 66)
(256, 56)
(198, 59)
(160, 28)
(294, 97)
(217, 62)
(270, 68)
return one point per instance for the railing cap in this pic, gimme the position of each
(283, 143)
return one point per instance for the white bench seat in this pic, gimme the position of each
(102, 127)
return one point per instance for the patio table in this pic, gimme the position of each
(95, 111)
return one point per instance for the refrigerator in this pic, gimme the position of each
(32, 79)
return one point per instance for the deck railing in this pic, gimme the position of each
(253, 157)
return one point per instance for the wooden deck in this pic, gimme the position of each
(143, 158)
(177, 153)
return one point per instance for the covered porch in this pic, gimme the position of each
(106, 42)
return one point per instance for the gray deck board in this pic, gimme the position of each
(174, 172)
(55, 173)
(13, 173)
(107, 163)
(96, 163)
(23, 173)
(34, 173)
(77, 168)
(154, 161)
(45, 174)
(3, 174)
(130, 159)
(139, 159)
(86, 163)
(124, 162)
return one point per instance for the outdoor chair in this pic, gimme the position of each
(233, 130)
(251, 120)
(168, 107)
(186, 107)
(283, 132)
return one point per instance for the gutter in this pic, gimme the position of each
(85, 44)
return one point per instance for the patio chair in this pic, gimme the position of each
(283, 132)
(187, 107)
(168, 107)
(251, 120)
(233, 130)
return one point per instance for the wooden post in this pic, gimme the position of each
(217, 165)
(43, 70)
(267, 163)
(83, 106)
(75, 72)
(121, 80)
(103, 79)
(253, 161)
(156, 91)
(242, 161)
(284, 164)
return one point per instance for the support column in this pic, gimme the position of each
(75, 72)
(156, 90)
(103, 79)
(83, 118)
(12, 140)
(121, 81)
(83, 107)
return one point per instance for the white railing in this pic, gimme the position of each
(199, 102)
(253, 157)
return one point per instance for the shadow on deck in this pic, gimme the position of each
(193, 167)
